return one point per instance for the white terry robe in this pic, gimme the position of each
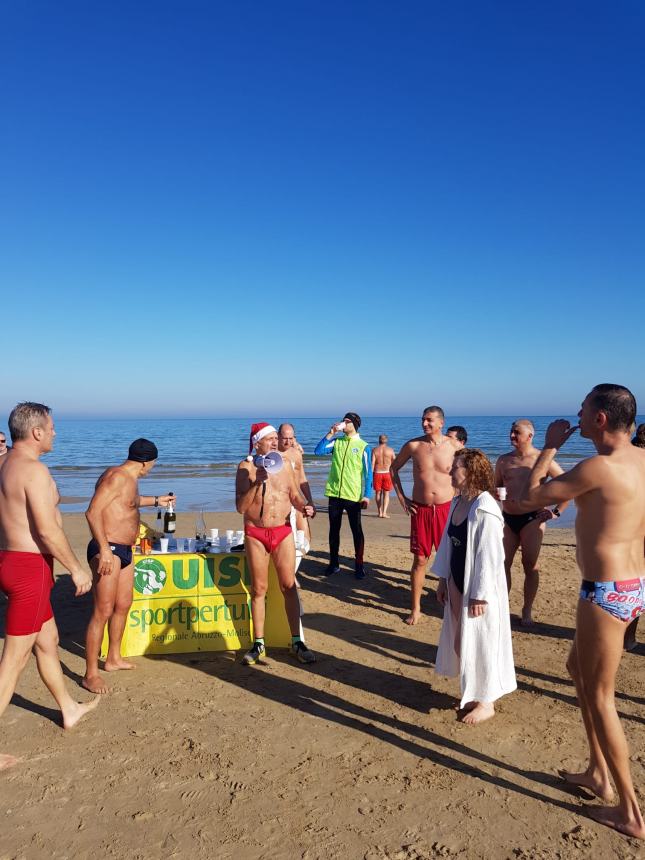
(485, 668)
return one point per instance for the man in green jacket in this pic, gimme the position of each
(349, 486)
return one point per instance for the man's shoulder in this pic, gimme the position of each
(115, 475)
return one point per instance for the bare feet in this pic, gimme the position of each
(77, 710)
(95, 684)
(386, 516)
(482, 711)
(615, 817)
(116, 665)
(413, 617)
(7, 761)
(527, 619)
(591, 781)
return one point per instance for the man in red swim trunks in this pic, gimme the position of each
(31, 536)
(432, 493)
(382, 458)
(265, 502)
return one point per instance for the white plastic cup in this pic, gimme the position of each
(180, 544)
(501, 494)
(341, 426)
(163, 544)
(239, 536)
(300, 539)
(229, 535)
(214, 535)
(191, 544)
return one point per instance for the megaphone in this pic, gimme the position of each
(272, 462)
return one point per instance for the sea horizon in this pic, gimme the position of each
(198, 457)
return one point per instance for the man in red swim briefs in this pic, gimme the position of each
(432, 493)
(31, 536)
(382, 458)
(265, 502)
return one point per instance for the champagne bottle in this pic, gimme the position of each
(170, 518)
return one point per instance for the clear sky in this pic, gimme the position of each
(217, 209)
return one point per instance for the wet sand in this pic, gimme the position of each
(358, 756)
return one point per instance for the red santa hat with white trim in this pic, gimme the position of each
(259, 431)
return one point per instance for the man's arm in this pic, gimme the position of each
(43, 513)
(246, 488)
(325, 446)
(305, 507)
(399, 461)
(499, 473)
(110, 488)
(155, 501)
(367, 477)
(303, 483)
(538, 492)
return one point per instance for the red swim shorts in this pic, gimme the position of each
(270, 537)
(382, 481)
(426, 527)
(27, 579)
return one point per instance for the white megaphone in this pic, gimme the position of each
(272, 462)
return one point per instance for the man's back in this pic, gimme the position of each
(610, 526)
(383, 457)
(19, 475)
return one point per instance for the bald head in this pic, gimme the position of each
(286, 437)
(522, 432)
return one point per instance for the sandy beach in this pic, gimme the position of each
(358, 756)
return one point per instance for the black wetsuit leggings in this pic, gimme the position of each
(336, 508)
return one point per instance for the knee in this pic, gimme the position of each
(103, 611)
(47, 644)
(122, 607)
(258, 591)
(530, 568)
(287, 587)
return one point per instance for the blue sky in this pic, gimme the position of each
(213, 209)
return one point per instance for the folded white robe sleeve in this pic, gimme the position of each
(485, 665)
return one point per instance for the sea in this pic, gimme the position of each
(198, 457)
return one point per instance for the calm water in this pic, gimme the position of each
(198, 458)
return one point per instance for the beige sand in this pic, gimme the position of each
(359, 756)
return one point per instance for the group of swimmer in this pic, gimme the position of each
(453, 510)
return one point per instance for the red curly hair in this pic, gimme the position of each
(479, 472)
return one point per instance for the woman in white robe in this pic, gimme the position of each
(475, 641)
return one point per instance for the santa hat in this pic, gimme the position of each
(259, 431)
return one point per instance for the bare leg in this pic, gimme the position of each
(14, 659)
(258, 559)
(284, 558)
(386, 504)
(596, 777)
(531, 542)
(116, 624)
(599, 639)
(104, 592)
(511, 544)
(46, 651)
(417, 578)
(629, 642)
(15, 655)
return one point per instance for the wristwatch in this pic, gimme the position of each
(156, 501)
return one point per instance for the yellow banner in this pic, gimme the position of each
(197, 602)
